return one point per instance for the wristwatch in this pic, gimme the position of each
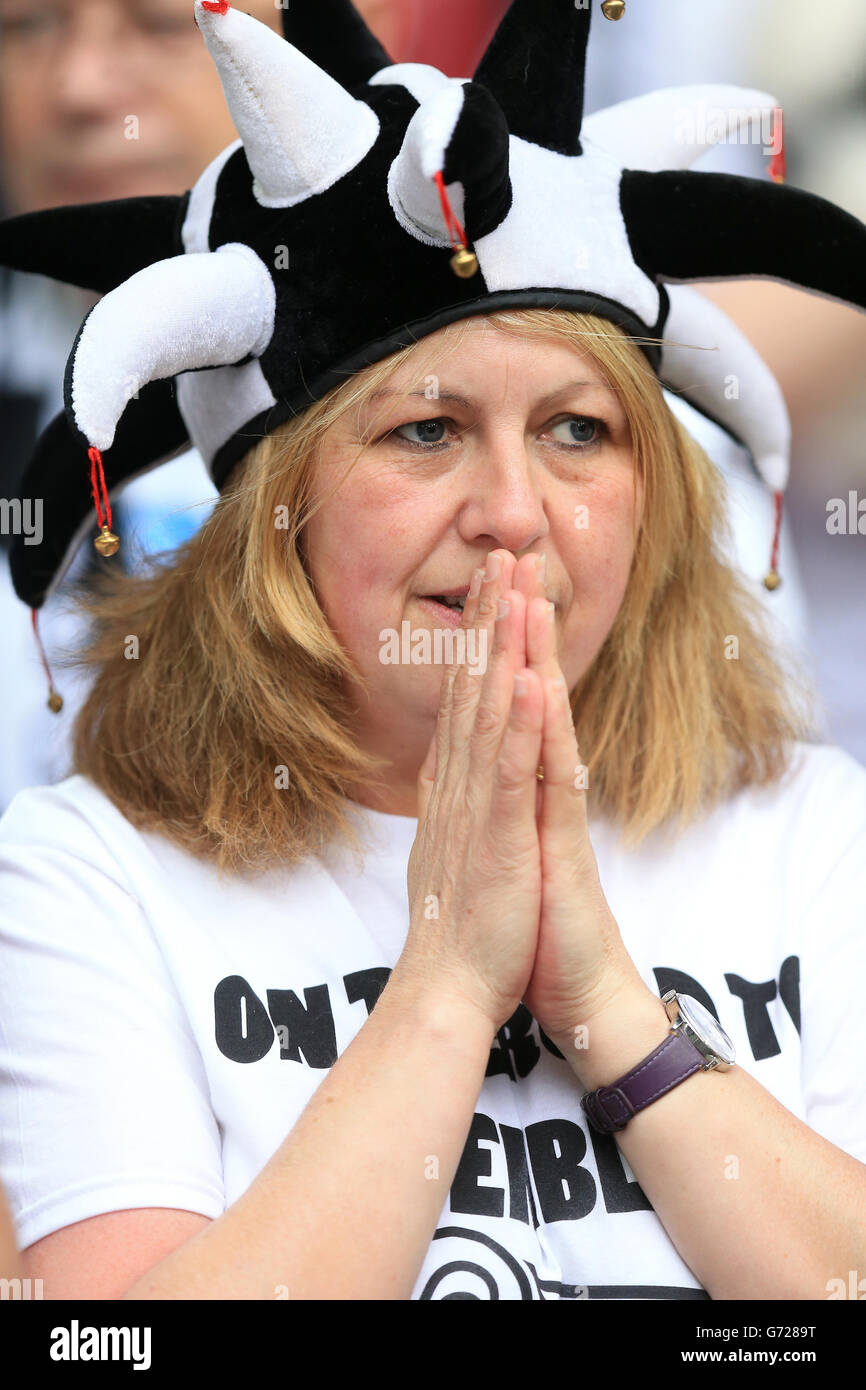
(696, 1042)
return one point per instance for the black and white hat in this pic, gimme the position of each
(368, 204)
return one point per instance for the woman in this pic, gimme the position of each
(171, 964)
(278, 1075)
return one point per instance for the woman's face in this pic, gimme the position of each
(504, 443)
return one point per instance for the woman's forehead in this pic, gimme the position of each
(484, 353)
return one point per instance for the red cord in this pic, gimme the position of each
(96, 473)
(777, 168)
(451, 221)
(216, 6)
(52, 693)
(778, 498)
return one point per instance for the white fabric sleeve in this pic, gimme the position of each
(104, 1102)
(833, 966)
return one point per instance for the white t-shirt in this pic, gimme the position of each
(161, 1030)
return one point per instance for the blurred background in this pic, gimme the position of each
(117, 98)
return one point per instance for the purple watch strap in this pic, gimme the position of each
(611, 1107)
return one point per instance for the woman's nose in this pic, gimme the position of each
(504, 500)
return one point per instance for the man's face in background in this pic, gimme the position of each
(112, 98)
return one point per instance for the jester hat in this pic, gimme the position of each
(370, 203)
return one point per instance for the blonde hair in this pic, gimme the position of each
(239, 673)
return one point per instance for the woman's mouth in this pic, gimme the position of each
(446, 608)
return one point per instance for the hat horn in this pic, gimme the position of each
(301, 130)
(704, 355)
(680, 228)
(93, 245)
(534, 67)
(461, 133)
(671, 128)
(207, 309)
(336, 37)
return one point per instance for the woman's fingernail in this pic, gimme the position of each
(503, 610)
(542, 568)
(551, 612)
(475, 586)
(521, 684)
(492, 568)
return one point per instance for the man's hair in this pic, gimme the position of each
(231, 733)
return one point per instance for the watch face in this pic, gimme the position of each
(708, 1030)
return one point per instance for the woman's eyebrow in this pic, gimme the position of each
(440, 396)
(456, 399)
(570, 386)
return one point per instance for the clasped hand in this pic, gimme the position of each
(505, 897)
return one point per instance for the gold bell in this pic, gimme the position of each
(613, 9)
(55, 702)
(539, 772)
(106, 542)
(772, 580)
(464, 263)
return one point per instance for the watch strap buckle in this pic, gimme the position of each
(608, 1108)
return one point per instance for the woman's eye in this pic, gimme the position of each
(429, 432)
(579, 430)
